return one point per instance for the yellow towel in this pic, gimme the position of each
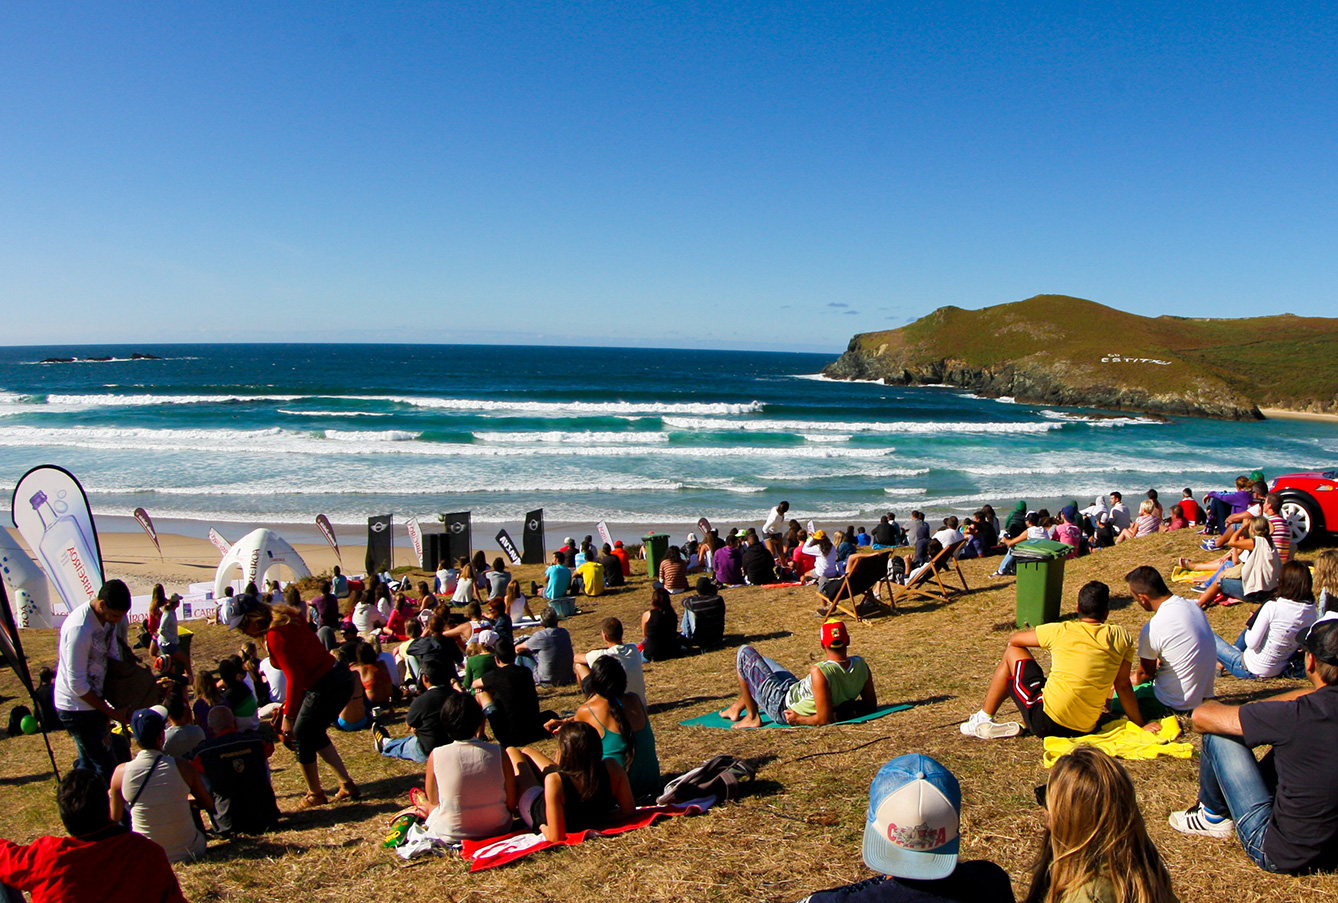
(1187, 575)
(1124, 740)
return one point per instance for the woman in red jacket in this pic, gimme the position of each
(319, 687)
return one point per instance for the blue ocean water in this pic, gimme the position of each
(276, 434)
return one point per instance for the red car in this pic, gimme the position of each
(1309, 503)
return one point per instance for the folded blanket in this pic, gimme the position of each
(486, 854)
(1124, 740)
(1189, 575)
(717, 720)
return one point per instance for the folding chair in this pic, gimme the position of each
(860, 585)
(928, 584)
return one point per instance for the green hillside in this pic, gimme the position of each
(1062, 350)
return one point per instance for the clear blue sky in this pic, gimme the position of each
(747, 175)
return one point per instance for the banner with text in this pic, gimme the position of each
(50, 509)
(504, 540)
(533, 537)
(415, 538)
(146, 523)
(219, 542)
(29, 592)
(380, 544)
(327, 530)
(604, 533)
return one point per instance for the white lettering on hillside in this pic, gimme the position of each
(1120, 359)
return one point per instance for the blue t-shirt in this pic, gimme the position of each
(559, 581)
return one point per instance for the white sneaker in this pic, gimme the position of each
(1197, 820)
(983, 727)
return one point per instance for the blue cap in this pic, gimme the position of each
(147, 725)
(910, 830)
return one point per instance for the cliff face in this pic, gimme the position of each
(1057, 351)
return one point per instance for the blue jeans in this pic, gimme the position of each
(91, 732)
(1231, 781)
(1005, 564)
(1232, 587)
(687, 624)
(405, 748)
(768, 683)
(1231, 657)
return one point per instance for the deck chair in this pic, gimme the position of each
(861, 585)
(928, 583)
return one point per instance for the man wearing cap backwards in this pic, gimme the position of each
(910, 835)
(156, 788)
(764, 686)
(1284, 808)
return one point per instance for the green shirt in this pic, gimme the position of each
(844, 682)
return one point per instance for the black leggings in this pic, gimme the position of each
(319, 709)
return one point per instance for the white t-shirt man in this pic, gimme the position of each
(775, 522)
(629, 656)
(1178, 633)
(947, 536)
(1119, 517)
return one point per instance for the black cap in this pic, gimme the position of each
(1322, 641)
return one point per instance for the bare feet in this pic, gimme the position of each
(750, 721)
(732, 713)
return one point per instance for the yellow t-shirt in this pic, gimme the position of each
(1084, 659)
(592, 572)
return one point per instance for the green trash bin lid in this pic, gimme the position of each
(656, 536)
(1041, 550)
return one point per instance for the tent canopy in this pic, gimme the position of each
(254, 556)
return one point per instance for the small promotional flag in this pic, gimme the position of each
(327, 530)
(147, 523)
(604, 533)
(508, 546)
(416, 538)
(219, 542)
(50, 509)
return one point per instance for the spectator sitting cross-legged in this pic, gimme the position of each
(703, 623)
(156, 789)
(550, 649)
(627, 654)
(659, 628)
(235, 763)
(469, 782)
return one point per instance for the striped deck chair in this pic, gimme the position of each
(928, 582)
(860, 587)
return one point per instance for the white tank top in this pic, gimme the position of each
(161, 812)
(471, 792)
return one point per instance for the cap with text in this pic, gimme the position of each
(914, 812)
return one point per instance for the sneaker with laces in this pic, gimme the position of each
(1198, 820)
(379, 736)
(983, 727)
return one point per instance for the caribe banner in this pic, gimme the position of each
(50, 509)
(147, 523)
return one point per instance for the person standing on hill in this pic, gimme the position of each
(87, 642)
(773, 529)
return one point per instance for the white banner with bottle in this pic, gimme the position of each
(51, 511)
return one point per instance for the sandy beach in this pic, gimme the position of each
(1284, 414)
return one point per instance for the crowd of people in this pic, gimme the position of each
(352, 655)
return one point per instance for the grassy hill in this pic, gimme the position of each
(1061, 350)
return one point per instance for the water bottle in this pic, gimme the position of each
(67, 555)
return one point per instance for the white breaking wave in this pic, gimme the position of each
(120, 400)
(1101, 421)
(371, 435)
(822, 377)
(279, 441)
(587, 437)
(863, 426)
(336, 413)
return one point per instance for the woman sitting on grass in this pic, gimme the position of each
(580, 790)
(659, 628)
(1095, 848)
(1326, 581)
(674, 571)
(470, 786)
(623, 726)
(1264, 648)
(1252, 546)
(1147, 523)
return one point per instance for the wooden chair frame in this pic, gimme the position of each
(845, 602)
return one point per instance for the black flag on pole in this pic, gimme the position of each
(509, 547)
(458, 529)
(533, 537)
(380, 544)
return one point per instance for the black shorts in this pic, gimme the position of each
(319, 709)
(774, 537)
(1026, 687)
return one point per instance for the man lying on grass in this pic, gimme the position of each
(1088, 657)
(830, 686)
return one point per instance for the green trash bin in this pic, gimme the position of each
(1040, 580)
(657, 546)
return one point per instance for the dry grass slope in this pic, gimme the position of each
(798, 832)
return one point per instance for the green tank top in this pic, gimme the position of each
(643, 772)
(844, 682)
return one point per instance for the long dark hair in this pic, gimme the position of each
(608, 679)
(659, 598)
(580, 756)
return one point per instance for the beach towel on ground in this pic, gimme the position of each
(1124, 740)
(486, 854)
(717, 720)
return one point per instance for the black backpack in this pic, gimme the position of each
(721, 776)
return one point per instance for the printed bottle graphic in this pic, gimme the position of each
(67, 555)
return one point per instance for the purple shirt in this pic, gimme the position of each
(728, 566)
(1238, 501)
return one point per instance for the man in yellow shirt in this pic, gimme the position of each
(1087, 657)
(592, 578)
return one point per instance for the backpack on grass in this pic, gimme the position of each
(721, 776)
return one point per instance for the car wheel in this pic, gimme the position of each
(1302, 517)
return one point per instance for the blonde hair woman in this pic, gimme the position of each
(1326, 581)
(1096, 847)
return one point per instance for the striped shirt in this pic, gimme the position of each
(1282, 536)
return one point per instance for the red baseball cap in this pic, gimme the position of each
(834, 634)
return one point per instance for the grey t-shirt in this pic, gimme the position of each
(181, 740)
(551, 648)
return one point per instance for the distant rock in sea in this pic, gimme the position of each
(102, 358)
(1054, 349)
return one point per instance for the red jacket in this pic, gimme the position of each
(119, 868)
(301, 657)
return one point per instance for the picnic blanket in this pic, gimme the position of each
(1124, 740)
(486, 854)
(1190, 575)
(717, 720)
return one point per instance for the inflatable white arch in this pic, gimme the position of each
(255, 555)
